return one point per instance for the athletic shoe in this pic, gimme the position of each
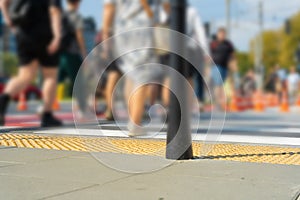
(48, 120)
(4, 101)
(136, 131)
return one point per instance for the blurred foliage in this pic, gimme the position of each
(10, 63)
(290, 42)
(279, 46)
(244, 61)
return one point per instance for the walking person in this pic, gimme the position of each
(73, 50)
(222, 51)
(121, 16)
(293, 84)
(196, 31)
(38, 35)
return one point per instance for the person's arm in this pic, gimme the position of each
(55, 16)
(4, 8)
(108, 18)
(147, 8)
(81, 42)
(79, 36)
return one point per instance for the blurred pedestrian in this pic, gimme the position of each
(113, 76)
(73, 50)
(37, 25)
(270, 85)
(248, 84)
(196, 52)
(281, 85)
(222, 51)
(293, 83)
(121, 16)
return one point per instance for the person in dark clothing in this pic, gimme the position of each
(38, 42)
(222, 52)
(73, 52)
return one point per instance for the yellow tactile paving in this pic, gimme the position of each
(233, 152)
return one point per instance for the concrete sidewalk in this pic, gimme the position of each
(49, 174)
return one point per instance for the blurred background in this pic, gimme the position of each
(265, 33)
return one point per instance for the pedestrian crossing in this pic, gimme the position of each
(244, 128)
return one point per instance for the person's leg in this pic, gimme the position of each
(49, 95)
(72, 66)
(113, 77)
(219, 76)
(166, 92)
(137, 105)
(152, 93)
(127, 90)
(135, 99)
(49, 87)
(25, 76)
(199, 86)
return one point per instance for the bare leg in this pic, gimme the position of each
(220, 96)
(128, 89)
(49, 87)
(25, 76)
(113, 78)
(136, 104)
(152, 93)
(166, 92)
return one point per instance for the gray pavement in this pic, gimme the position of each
(47, 174)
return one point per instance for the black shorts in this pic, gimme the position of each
(30, 49)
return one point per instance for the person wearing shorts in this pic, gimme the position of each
(222, 52)
(38, 43)
(196, 53)
(127, 15)
(73, 52)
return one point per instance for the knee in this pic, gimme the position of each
(26, 77)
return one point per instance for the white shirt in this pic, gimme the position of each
(195, 29)
(293, 81)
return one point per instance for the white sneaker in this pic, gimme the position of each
(136, 131)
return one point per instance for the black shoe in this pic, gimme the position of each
(4, 101)
(48, 120)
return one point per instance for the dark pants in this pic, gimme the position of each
(69, 66)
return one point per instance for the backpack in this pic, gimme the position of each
(19, 12)
(68, 33)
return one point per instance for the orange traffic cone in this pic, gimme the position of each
(258, 102)
(233, 107)
(269, 100)
(249, 103)
(298, 101)
(275, 100)
(285, 107)
(56, 105)
(22, 104)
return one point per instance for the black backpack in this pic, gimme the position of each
(68, 33)
(19, 12)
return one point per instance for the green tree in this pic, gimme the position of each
(10, 63)
(290, 42)
(271, 49)
(279, 47)
(244, 62)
